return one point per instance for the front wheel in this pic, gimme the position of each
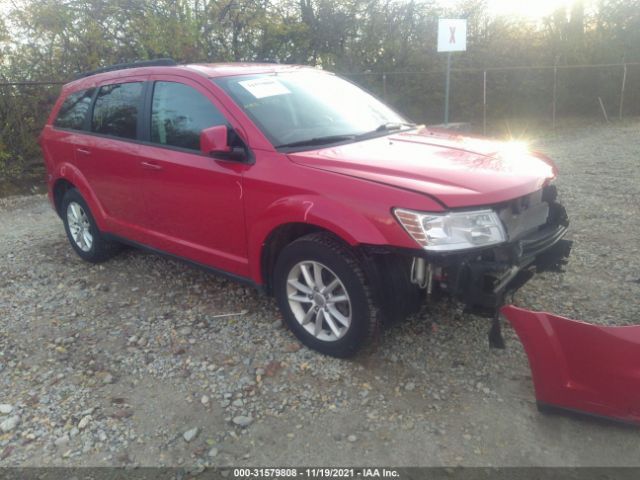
(324, 295)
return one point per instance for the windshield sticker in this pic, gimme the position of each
(264, 87)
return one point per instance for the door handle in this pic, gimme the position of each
(151, 166)
(83, 151)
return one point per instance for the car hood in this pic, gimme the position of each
(458, 171)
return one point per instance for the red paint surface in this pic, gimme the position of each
(579, 366)
(459, 171)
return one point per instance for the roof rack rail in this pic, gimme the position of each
(157, 62)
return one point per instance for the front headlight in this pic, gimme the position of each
(453, 230)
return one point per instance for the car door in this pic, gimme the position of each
(194, 204)
(107, 155)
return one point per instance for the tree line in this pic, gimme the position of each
(47, 41)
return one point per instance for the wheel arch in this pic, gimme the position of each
(60, 187)
(291, 217)
(68, 176)
(277, 240)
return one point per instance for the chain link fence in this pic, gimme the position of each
(480, 97)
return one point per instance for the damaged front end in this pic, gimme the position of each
(480, 278)
(535, 226)
(580, 367)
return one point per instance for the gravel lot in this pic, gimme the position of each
(134, 362)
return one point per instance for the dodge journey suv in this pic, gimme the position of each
(301, 184)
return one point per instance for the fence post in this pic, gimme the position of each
(384, 86)
(484, 102)
(555, 93)
(604, 110)
(624, 81)
(446, 90)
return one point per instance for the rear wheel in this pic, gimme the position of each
(82, 231)
(324, 296)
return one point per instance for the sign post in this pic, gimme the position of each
(446, 90)
(452, 37)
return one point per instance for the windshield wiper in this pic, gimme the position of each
(318, 141)
(387, 127)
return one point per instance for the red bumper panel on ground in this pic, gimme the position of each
(581, 367)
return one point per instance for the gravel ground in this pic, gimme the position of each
(145, 361)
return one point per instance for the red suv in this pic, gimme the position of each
(298, 182)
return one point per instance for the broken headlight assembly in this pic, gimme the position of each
(451, 231)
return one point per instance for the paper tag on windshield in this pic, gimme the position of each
(264, 87)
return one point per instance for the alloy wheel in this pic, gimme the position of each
(319, 301)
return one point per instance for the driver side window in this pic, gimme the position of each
(179, 113)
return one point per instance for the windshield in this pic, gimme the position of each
(309, 108)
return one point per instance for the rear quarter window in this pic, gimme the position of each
(74, 109)
(116, 110)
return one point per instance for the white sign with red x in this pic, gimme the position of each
(452, 35)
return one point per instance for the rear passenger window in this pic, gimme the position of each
(73, 111)
(179, 113)
(116, 110)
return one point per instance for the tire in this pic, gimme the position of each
(82, 231)
(351, 322)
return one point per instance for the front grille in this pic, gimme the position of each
(524, 215)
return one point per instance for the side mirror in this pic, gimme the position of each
(214, 142)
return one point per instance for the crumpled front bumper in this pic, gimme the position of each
(481, 280)
(580, 367)
(482, 283)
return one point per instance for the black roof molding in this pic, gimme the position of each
(157, 62)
